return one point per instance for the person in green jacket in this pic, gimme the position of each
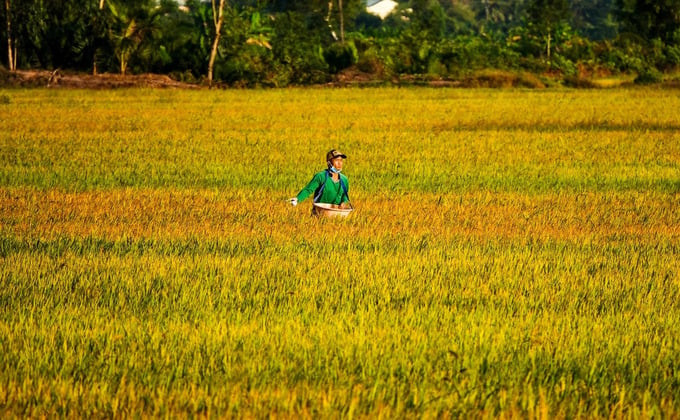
(328, 186)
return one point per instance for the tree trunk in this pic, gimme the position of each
(124, 61)
(342, 22)
(218, 29)
(11, 50)
(548, 47)
(328, 20)
(94, 59)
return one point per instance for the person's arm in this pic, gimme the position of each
(310, 188)
(345, 197)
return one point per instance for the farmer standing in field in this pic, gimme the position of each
(328, 186)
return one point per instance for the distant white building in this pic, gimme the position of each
(380, 8)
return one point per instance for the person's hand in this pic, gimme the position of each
(293, 201)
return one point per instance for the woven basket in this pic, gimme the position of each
(330, 210)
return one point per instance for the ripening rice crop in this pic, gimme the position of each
(512, 254)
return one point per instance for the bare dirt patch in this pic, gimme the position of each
(58, 79)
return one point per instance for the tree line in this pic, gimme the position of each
(283, 42)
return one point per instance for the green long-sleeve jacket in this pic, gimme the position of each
(332, 192)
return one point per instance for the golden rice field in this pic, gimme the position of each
(513, 253)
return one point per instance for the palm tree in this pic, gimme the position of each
(130, 28)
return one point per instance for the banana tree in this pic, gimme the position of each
(258, 33)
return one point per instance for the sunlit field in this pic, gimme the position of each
(512, 254)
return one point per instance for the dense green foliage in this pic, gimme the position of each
(277, 42)
(518, 254)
